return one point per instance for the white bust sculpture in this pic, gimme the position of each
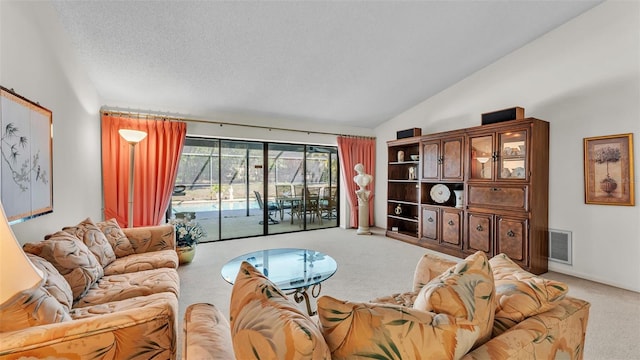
(363, 181)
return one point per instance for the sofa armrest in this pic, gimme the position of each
(143, 329)
(151, 238)
(557, 333)
(207, 334)
(429, 266)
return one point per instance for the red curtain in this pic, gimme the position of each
(354, 150)
(156, 167)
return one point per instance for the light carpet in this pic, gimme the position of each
(371, 266)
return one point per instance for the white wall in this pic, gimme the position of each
(584, 78)
(37, 62)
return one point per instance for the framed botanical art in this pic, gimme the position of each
(608, 170)
(26, 180)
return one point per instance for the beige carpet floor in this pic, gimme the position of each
(373, 266)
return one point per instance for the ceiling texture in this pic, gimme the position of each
(350, 63)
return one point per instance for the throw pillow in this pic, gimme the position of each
(464, 291)
(31, 307)
(265, 324)
(116, 237)
(71, 258)
(381, 331)
(54, 283)
(521, 294)
(95, 240)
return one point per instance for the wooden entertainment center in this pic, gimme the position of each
(481, 188)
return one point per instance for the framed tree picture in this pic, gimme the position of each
(26, 165)
(608, 170)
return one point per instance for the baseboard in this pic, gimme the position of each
(562, 270)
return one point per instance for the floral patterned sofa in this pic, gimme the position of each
(107, 293)
(473, 309)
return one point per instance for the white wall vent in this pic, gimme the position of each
(560, 246)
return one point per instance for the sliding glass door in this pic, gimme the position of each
(241, 186)
(221, 184)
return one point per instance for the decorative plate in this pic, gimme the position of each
(440, 193)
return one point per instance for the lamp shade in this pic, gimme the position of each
(16, 271)
(132, 136)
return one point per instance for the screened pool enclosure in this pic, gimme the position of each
(238, 189)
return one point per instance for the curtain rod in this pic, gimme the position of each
(162, 117)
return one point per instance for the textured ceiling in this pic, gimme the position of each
(352, 63)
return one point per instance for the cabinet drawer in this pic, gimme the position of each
(479, 233)
(499, 196)
(512, 239)
(452, 227)
(430, 223)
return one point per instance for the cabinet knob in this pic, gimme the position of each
(451, 223)
(430, 220)
(479, 228)
(510, 233)
(495, 189)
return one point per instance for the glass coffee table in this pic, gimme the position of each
(297, 272)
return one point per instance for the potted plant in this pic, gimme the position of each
(188, 234)
(607, 155)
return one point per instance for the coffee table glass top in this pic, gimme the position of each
(288, 269)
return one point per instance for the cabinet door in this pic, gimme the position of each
(431, 160)
(452, 164)
(430, 223)
(512, 239)
(512, 155)
(481, 157)
(479, 233)
(452, 227)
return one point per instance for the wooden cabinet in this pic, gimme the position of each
(503, 170)
(443, 158)
(442, 226)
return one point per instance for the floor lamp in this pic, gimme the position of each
(133, 137)
(17, 274)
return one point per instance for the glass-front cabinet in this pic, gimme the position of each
(499, 156)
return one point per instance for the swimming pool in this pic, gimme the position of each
(213, 205)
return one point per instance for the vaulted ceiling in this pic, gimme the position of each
(353, 63)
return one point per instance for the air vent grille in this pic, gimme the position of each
(560, 246)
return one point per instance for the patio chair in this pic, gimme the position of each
(271, 209)
(328, 205)
(285, 198)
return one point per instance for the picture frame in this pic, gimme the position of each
(26, 162)
(608, 170)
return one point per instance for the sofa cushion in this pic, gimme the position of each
(126, 286)
(145, 261)
(265, 324)
(95, 240)
(54, 283)
(521, 294)
(464, 291)
(429, 266)
(116, 237)
(31, 307)
(71, 258)
(381, 331)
